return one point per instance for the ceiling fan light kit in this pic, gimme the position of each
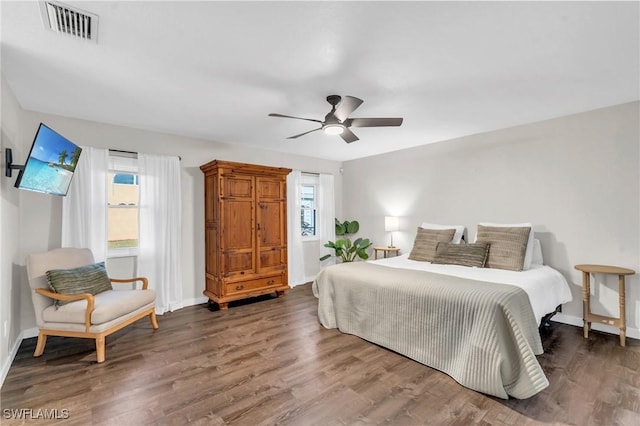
(333, 129)
(337, 121)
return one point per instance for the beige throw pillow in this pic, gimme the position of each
(474, 255)
(424, 246)
(508, 246)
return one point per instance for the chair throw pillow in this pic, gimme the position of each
(474, 255)
(424, 246)
(508, 246)
(91, 279)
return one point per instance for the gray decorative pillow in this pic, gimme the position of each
(508, 246)
(91, 279)
(424, 246)
(474, 254)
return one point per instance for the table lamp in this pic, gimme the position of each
(391, 224)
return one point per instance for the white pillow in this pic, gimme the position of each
(457, 236)
(537, 253)
(528, 255)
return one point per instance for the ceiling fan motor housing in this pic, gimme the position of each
(331, 119)
(334, 100)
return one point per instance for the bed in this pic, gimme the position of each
(478, 325)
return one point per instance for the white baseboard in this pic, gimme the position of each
(32, 332)
(194, 301)
(634, 333)
(29, 332)
(306, 281)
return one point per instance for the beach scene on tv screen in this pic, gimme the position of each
(51, 163)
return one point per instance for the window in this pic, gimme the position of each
(308, 206)
(122, 202)
(308, 210)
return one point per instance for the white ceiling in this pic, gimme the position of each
(214, 70)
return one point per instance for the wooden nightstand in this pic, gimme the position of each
(587, 316)
(385, 250)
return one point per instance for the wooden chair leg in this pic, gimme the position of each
(42, 341)
(100, 348)
(154, 321)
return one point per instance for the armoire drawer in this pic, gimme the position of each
(242, 286)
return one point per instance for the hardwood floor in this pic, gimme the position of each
(271, 362)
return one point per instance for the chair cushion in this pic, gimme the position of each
(109, 305)
(92, 279)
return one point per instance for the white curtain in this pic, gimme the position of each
(159, 253)
(84, 209)
(295, 251)
(326, 224)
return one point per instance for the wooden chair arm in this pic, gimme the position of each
(145, 282)
(91, 303)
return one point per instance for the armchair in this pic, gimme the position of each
(85, 315)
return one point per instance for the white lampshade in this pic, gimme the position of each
(391, 223)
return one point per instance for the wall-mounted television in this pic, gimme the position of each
(51, 163)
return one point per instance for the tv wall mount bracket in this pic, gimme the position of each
(10, 166)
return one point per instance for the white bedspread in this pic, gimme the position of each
(545, 286)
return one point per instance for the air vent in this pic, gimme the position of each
(68, 20)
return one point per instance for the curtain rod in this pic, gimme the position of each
(132, 152)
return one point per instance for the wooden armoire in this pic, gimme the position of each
(245, 231)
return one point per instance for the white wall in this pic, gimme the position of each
(42, 213)
(10, 326)
(575, 178)
(31, 222)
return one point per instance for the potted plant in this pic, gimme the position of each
(346, 250)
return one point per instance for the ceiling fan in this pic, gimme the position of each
(337, 121)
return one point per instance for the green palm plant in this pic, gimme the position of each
(346, 250)
(62, 157)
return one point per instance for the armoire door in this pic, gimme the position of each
(271, 224)
(238, 226)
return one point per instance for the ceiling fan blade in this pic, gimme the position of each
(373, 122)
(347, 105)
(302, 134)
(348, 136)
(297, 118)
